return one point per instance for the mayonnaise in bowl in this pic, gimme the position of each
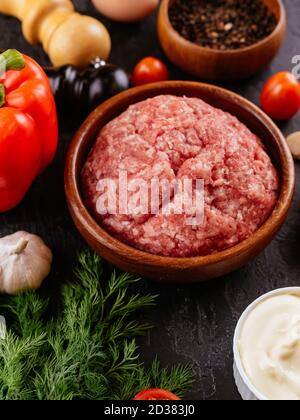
(267, 346)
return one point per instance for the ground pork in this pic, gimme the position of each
(177, 138)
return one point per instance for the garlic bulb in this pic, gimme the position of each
(25, 261)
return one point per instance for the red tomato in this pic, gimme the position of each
(156, 394)
(280, 97)
(149, 70)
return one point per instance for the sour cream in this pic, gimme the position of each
(269, 346)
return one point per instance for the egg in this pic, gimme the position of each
(126, 10)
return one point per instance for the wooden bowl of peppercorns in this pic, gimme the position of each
(222, 40)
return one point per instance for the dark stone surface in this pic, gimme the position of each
(194, 324)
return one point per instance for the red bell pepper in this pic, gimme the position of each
(28, 126)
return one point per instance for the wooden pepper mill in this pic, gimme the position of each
(66, 36)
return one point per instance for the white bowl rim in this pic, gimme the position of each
(237, 334)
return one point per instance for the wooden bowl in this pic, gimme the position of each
(178, 269)
(215, 65)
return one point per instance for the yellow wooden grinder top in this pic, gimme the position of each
(67, 36)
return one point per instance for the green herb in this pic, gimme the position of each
(88, 351)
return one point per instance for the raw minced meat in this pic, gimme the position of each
(177, 138)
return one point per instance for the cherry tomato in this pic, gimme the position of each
(280, 97)
(149, 70)
(156, 394)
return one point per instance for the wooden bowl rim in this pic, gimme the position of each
(100, 235)
(164, 13)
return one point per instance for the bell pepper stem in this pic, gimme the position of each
(11, 60)
(2, 95)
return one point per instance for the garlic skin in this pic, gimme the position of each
(25, 261)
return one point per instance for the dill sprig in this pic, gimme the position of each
(88, 350)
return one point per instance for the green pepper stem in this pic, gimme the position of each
(2, 95)
(11, 60)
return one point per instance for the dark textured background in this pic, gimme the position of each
(194, 324)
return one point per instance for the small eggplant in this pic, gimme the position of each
(77, 92)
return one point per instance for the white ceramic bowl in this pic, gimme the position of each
(245, 387)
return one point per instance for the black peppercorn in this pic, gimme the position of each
(222, 24)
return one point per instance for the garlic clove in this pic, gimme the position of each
(293, 141)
